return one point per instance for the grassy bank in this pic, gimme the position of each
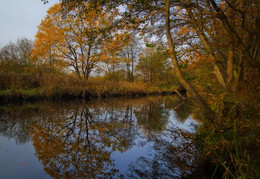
(231, 144)
(28, 87)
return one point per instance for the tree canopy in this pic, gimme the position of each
(79, 39)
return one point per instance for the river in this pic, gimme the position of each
(149, 137)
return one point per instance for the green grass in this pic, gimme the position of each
(231, 144)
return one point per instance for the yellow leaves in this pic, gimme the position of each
(178, 8)
(129, 7)
(137, 20)
(54, 9)
(80, 39)
(111, 47)
(184, 30)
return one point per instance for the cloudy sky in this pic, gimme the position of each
(20, 18)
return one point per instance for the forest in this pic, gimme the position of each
(210, 48)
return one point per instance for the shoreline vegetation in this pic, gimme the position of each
(31, 87)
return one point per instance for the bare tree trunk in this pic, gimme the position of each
(132, 72)
(205, 109)
(132, 65)
(219, 75)
(237, 73)
(230, 60)
(128, 71)
(257, 46)
(230, 67)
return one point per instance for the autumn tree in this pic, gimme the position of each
(220, 36)
(79, 39)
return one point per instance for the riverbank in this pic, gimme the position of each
(230, 145)
(28, 87)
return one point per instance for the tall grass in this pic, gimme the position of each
(62, 86)
(231, 144)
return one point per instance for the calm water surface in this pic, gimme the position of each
(148, 137)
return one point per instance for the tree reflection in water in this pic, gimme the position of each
(152, 116)
(80, 142)
(175, 155)
(77, 140)
(14, 123)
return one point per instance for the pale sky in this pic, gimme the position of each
(20, 18)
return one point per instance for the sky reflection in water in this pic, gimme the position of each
(146, 137)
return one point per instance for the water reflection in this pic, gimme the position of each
(14, 124)
(95, 139)
(152, 116)
(174, 156)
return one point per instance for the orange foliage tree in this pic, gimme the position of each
(79, 39)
